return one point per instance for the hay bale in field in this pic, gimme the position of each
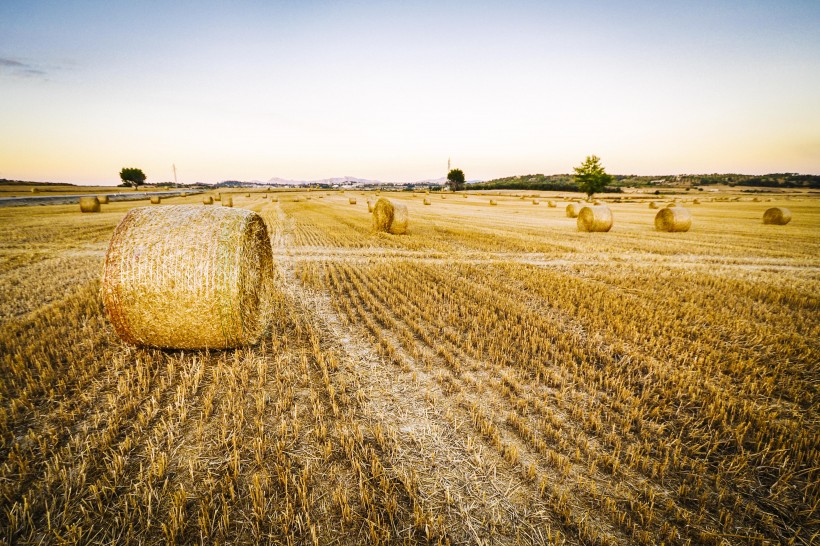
(535, 201)
(426, 201)
(227, 202)
(35, 190)
(595, 218)
(696, 201)
(778, 216)
(89, 204)
(369, 206)
(103, 199)
(207, 200)
(247, 195)
(673, 219)
(352, 201)
(188, 277)
(551, 204)
(653, 205)
(573, 209)
(274, 199)
(156, 199)
(465, 196)
(492, 202)
(218, 197)
(597, 203)
(390, 217)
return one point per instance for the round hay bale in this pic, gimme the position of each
(89, 204)
(390, 217)
(227, 202)
(597, 203)
(595, 218)
(778, 216)
(103, 199)
(696, 201)
(369, 206)
(352, 200)
(35, 190)
(493, 203)
(653, 205)
(218, 197)
(426, 201)
(156, 199)
(207, 200)
(274, 199)
(672, 205)
(573, 209)
(551, 204)
(673, 219)
(247, 195)
(187, 277)
(534, 201)
(264, 196)
(465, 196)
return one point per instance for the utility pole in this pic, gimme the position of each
(448, 165)
(174, 165)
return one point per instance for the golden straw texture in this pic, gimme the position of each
(551, 204)
(573, 209)
(208, 200)
(155, 199)
(103, 199)
(673, 219)
(595, 218)
(89, 204)
(227, 202)
(390, 217)
(189, 277)
(653, 205)
(779, 216)
(352, 200)
(426, 201)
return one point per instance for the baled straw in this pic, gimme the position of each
(35, 190)
(207, 200)
(672, 204)
(551, 204)
(492, 202)
(390, 217)
(426, 201)
(779, 216)
(535, 201)
(595, 218)
(89, 204)
(369, 206)
(696, 202)
(218, 197)
(351, 200)
(653, 205)
(247, 195)
(274, 199)
(155, 200)
(227, 202)
(189, 277)
(673, 219)
(573, 209)
(103, 199)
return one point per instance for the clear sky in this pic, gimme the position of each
(389, 90)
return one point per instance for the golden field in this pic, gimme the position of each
(491, 377)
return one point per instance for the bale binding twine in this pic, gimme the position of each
(189, 277)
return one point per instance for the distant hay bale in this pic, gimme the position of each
(156, 199)
(188, 277)
(653, 205)
(274, 199)
(218, 197)
(390, 217)
(597, 203)
(673, 219)
(89, 204)
(443, 197)
(672, 204)
(696, 201)
(247, 195)
(465, 196)
(369, 206)
(227, 202)
(426, 201)
(207, 200)
(779, 216)
(535, 201)
(103, 199)
(264, 196)
(493, 203)
(573, 209)
(35, 190)
(551, 204)
(352, 200)
(595, 218)
(756, 199)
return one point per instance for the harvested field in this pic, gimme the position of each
(493, 376)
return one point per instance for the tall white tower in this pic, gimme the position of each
(174, 165)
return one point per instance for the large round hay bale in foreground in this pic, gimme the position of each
(227, 202)
(89, 204)
(779, 216)
(208, 200)
(155, 200)
(595, 218)
(673, 219)
(188, 277)
(573, 209)
(103, 199)
(390, 217)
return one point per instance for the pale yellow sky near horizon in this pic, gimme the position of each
(383, 91)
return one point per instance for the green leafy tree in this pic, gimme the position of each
(455, 179)
(132, 177)
(591, 176)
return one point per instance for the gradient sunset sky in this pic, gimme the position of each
(389, 90)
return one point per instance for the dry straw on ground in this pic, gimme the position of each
(595, 218)
(227, 202)
(89, 204)
(156, 200)
(352, 200)
(390, 217)
(673, 219)
(103, 199)
(573, 209)
(207, 200)
(779, 216)
(188, 277)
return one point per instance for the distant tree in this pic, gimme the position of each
(132, 177)
(455, 179)
(591, 176)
